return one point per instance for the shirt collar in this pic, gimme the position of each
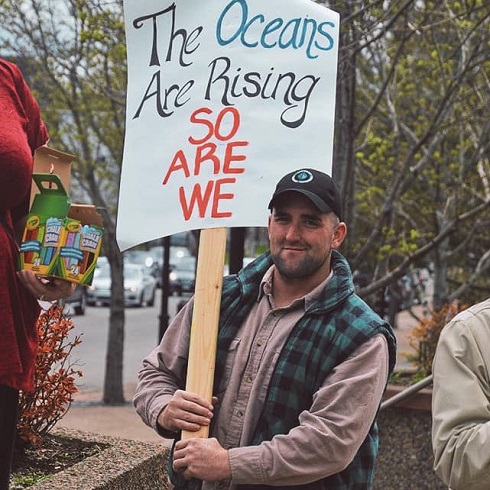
(265, 288)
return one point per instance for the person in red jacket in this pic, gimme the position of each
(22, 130)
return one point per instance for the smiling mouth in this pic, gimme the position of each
(293, 250)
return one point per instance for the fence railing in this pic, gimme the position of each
(407, 393)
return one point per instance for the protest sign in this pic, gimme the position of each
(224, 97)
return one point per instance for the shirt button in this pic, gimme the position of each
(249, 379)
(260, 343)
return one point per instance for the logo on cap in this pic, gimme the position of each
(302, 177)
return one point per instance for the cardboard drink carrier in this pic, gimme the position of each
(60, 239)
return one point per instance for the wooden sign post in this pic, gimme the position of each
(205, 317)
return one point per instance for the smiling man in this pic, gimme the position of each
(302, 363)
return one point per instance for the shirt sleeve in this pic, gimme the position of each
(163, 370)
(460, 405)
(330, 433)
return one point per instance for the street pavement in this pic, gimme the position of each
(88, 413)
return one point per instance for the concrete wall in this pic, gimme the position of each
(405, 451)
(404, 462)
(123, 465)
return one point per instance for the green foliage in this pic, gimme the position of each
(26, 481)
(260, 249)
(420, 135)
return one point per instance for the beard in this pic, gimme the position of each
(303, 269)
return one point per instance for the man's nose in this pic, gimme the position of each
(293, 232)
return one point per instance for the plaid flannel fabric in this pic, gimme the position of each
(327, 334)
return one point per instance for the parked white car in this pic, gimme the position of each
(139, 286)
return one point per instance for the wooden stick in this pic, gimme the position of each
(205, 317)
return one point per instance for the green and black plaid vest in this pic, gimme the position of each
(331, 329)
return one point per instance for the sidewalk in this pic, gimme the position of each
(89, 414)
(405, 323)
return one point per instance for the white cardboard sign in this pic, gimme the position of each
(224, 98)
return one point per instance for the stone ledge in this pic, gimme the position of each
(124, 464)
(405, 458)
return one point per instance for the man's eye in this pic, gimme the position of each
(311, 223)
(280, 219)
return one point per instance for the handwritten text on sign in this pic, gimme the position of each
(228, 83)
(223, 97)
(206, 151)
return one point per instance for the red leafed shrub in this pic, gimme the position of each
(425, 335)
(40, 409)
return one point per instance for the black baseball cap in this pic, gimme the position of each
(315, 185)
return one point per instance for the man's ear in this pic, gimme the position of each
(339, 234)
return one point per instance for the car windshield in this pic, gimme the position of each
(131, 273)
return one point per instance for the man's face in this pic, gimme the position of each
(302, 238)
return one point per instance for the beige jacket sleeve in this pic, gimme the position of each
(461, 401)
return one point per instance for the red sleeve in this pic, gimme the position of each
(22, 130)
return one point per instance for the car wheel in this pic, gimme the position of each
(141, 300)
(151, 301)
(80, 309)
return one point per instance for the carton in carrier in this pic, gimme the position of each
(60, 239)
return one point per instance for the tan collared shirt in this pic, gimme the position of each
(329, 434)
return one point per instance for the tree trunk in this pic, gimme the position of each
(343, 154)
(113, 380)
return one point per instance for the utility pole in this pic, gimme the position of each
(164, 316)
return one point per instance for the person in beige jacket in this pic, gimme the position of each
(461, 400)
